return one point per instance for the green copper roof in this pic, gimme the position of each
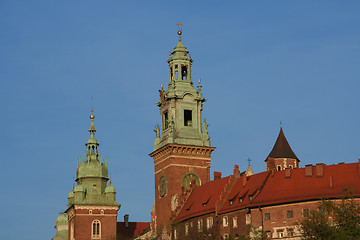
(62, 220)
(92, 177)
(110, 189)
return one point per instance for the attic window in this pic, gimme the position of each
(231, 202)
(188, 118)
(250, 197)
(240, 200)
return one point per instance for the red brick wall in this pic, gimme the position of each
(82, 221)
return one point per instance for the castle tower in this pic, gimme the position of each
(281, 156)
(92, 207)
(182, 150)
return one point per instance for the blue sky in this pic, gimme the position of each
(261, 62)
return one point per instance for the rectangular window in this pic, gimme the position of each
(186, 229)
(235, 222)
(175, 234)
(200, 225)
(305, 212)
(209, 222)
(188, 118)
(165, 120)
(290, 214)
(267, 216)
(248, 219)
(225, 221)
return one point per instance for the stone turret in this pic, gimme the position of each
(281, 156)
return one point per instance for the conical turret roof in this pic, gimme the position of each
(282, 148)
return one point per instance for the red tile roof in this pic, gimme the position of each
(134, 229)
(271, 188)
(203, 199)
(240, 191)
(278, 189)
(282, 148)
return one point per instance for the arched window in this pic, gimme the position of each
(96, 229)
(279, 168)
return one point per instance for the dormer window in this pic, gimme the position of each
(188, 118)
(231, 202)
(240, 200)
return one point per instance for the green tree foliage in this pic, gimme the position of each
(333, 220)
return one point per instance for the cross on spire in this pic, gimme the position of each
(249, 160)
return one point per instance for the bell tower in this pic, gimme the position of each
(92, 207)
(182, 150)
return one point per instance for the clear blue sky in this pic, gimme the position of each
(261, 62)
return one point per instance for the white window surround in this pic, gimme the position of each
(225, 221)
(209, 222)
(96, 229)
(235, 223)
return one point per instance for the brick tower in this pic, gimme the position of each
(92, 207)
(182, 150)
(281, 156)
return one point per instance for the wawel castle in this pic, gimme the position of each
(187, 201)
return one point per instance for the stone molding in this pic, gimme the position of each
(181, 150)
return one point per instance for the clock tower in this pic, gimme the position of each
(182, 150)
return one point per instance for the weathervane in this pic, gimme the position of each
(179, 32)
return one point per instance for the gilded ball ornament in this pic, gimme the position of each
(179, 32)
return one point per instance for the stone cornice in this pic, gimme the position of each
(181, 150)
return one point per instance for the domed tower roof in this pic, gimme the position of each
(61, 220)
(110, 189)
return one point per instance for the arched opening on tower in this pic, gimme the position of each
(184, 72)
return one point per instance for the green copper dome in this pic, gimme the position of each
(62, 220)
(71, 194)
(79, 188)
(92, 169)
(110, 189)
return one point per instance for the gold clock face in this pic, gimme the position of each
(187, 178)
(162, 186)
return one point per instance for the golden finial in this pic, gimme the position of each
(179, 24)
(199, 80)
(92, 109)
(179, 32)
(162, 87)
(281, 124)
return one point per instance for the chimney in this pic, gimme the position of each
(287, 172)
(126, 220)
(308, 170)
(236, 172)
(244, 180)
(331, 182)
(319, 170)
(217, 175)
